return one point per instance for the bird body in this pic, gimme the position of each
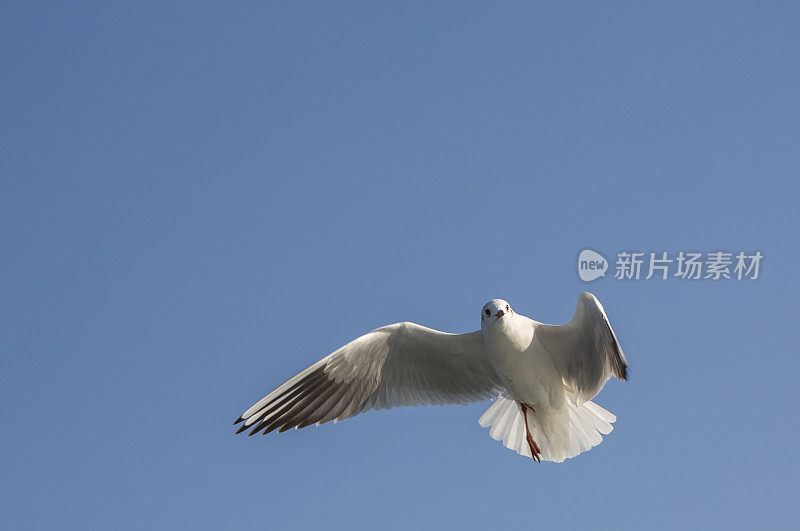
(542, 378)
(523, 365)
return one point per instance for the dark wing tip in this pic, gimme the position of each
(620, 364)
(237, 421)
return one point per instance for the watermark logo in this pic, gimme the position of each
(684, 265)
(591, 265)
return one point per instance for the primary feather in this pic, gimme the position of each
(403, 364)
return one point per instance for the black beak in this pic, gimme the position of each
(500, 313)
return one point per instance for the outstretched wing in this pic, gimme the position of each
(403, 364)
(585, 350)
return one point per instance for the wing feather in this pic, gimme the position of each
(397, 365)
(585, 350)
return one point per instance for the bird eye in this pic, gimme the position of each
(486, 311)
(506, 307)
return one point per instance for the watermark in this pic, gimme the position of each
(664, 265)
(591, 265)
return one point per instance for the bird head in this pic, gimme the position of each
(494, 311)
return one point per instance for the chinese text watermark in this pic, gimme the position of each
(663, 265)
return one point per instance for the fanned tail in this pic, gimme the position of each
(561, 435)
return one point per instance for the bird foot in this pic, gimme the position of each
(536, 453)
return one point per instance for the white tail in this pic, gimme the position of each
(560, 435)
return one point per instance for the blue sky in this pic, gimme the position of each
(199, 200)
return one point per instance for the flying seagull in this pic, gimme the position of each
(541, 376)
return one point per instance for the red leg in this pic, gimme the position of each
(535, 451)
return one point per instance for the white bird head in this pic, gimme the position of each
(494, 310)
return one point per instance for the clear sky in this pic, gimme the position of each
(198, 200)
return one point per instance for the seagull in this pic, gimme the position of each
(542, 379)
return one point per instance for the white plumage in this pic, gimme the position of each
(586, 424)
(542, 376)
